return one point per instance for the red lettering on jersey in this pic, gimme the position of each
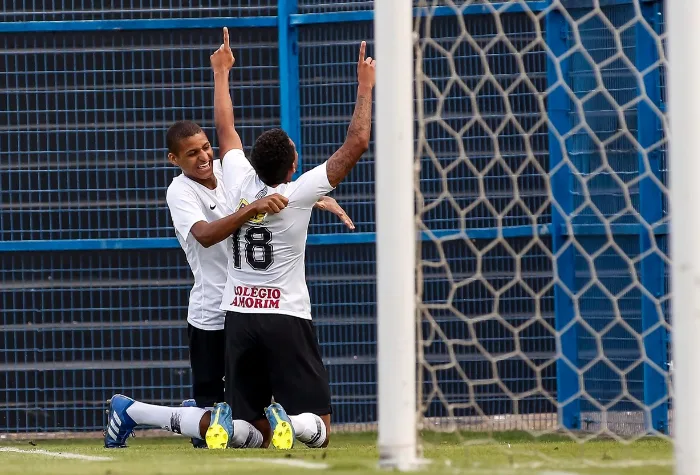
(254, 297)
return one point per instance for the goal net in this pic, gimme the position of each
(542, 210)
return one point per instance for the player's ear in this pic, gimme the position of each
(172, 158)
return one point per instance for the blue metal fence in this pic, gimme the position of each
(88, 309)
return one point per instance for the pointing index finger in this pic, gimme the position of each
(226, 37)
(363, 47)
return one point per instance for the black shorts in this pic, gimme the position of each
(208, 362)
(271, 355)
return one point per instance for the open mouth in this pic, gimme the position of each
(204, 166)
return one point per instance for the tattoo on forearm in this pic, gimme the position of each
(345, 158)
(339, 166)
(362, 117)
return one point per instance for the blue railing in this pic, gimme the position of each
(90, 309)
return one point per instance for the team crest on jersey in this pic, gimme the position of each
(257, 219)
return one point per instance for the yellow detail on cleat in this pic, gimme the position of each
(216, 436)
(283, 434)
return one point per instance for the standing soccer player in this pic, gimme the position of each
(272, 347)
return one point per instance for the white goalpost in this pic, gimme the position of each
(396, 246)
(684, 111)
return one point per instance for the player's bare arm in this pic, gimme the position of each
(221, 63)
(357, 139)
(208, 234)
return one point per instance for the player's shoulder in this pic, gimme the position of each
(236, 157)
(235, 167)
(313, 179)
(234, 152)
(177, 184)
(317, 173)
(179, 188)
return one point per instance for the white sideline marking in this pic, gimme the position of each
(61, 455)
(285, 462)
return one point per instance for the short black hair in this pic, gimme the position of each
(272, 156)
(178, 131)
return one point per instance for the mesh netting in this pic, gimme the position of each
(542, 203)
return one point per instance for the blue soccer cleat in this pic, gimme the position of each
(220, 428)
(196, 442)
(282, 429)
(119, 425)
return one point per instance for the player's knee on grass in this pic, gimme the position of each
(264, 427)
(204, 424)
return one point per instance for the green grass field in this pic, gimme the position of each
(507, 454)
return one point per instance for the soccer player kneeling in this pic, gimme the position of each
(271, 344)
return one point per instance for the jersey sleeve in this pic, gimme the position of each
(235, 166)
(185, 209)
(309, 187)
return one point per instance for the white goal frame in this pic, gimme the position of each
(396, 245)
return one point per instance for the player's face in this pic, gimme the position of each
(195, 157)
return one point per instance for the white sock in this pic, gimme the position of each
(181, 420)
(245, 436)
(309, 429)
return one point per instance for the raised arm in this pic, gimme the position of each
(221, 63)
(357, 140)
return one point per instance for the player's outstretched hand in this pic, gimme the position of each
(329, 204)
(365, 68)
(271, 204)
(222, 60)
